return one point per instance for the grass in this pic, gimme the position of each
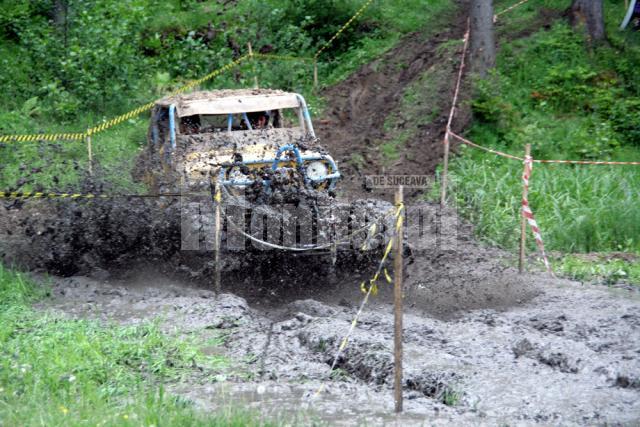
(552, 91)
(418, 107)
(579, 209)
(59, 371)
(601, 268)
(399, 18)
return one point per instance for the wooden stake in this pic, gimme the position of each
(445, 169)
(315, 74)
(397, 303)
(523, 220)
(217, 239)
(90, 153)
(253, 61)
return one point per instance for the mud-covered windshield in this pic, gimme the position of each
(210, 123)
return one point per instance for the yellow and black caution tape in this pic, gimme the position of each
(370, 289)
(43, 137)
(209, 76)
(117, 120)
(372, 285)
(43, 195)
(49, 195)
(344, 27)
(121, 118)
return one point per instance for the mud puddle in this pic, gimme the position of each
(549, 352)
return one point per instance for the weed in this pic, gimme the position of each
(339, 374)
(600, 269)
(357, 160)
(451, 397)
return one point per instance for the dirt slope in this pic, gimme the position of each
(366, 110)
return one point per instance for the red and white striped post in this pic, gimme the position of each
(523, 220)
(527, 216)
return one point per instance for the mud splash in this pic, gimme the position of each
(494, 363)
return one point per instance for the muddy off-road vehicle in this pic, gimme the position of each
(256, 138)
(258, 146)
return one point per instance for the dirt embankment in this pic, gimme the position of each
(367, 110)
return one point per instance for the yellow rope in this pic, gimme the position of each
(121, 118)
(344, 27)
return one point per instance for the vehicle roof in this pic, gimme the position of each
(230, 101)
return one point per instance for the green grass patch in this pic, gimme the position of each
(396, 19)
(568, 101)
(59, 371)
(579, 209)
(601, 268)
(418, 107)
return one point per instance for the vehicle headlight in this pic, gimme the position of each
(316, 170)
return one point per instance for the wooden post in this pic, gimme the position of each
(253, 66)
(523, 220)
(90, 153)
(445, 170)
(218, 238)
(315, 75)
(397, 303)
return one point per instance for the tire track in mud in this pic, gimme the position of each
(570, 355)
(359, 106)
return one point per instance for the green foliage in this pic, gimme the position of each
(58, 371)
(551, 73)
(602, 269)
(550, 90)
(73, 68)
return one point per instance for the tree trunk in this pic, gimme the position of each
(590, 13)
(59, 13)
(483, 46)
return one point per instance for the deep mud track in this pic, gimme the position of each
(483, 345)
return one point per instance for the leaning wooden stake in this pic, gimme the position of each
(445, 169)
(315, 74)
(523, 220)
(253, 62)
(452, 112)
(217, 238)
(397, 300)
(90, 153)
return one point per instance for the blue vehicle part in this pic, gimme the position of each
(172, 131)
(229, 122)
(307, 116)
(288, 147)
(246, 120)
(155, 134)
(300, 160)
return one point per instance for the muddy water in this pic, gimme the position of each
(500, 349)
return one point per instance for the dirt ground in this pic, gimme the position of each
(483, 345)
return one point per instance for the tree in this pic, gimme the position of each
(590, 13)
(483, 46)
